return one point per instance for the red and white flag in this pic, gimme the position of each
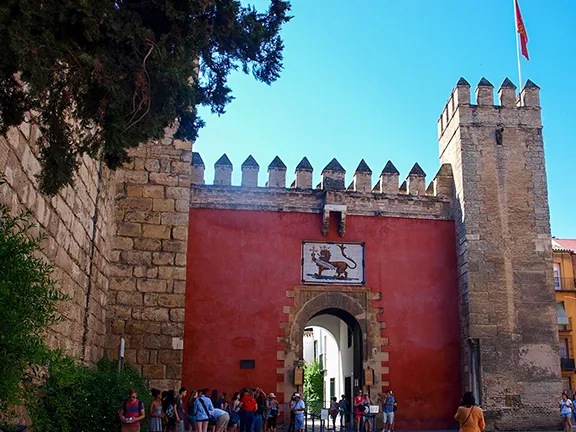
(521, 29)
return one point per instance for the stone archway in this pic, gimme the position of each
(310, 301)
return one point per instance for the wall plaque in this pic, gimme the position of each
(333, 263)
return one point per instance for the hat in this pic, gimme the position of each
(271, 395)
(296, 394)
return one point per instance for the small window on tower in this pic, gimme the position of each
(498, 135)
(247, 364)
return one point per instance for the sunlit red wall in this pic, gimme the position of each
(240, 264)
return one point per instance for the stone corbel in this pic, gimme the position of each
(342, 209)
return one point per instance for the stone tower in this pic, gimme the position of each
(500, 206)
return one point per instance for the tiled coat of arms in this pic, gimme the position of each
(333, 263)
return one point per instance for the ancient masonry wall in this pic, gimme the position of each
(77, 229)
(509, 333)
(148, 260)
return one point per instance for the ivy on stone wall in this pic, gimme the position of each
(104, 76)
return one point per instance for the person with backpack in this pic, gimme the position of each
(204, 409)
(169, 412)
(272, 406)
(132, 412)
(333, 411)
(470, 416)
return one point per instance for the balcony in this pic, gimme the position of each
(567, 364)
(566, 328)
(564, 284)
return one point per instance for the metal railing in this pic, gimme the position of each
(344, 422)
(567, 327)
(564, 284)
(567, 364)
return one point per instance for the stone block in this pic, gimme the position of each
(174, 246)
(180, 233)
(122, 284)
(170, 356)
(153, 191)
(145, 272)
(174, 219)
(150, 314)
(156, 231)
(177, 315)
(163, 258)
(172, 273)
(142, 258)
(134, 190)
(181, 193)
(147, 244)
(154, 371)
(129, 298)
(171, 300)
(129, 229)
(174, 371)
(146, 217)
(151, 285)
(163, 205)
(164, 179)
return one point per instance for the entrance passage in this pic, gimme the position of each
(333, 338)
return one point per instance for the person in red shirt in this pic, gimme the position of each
(132, 412)
(248, 405)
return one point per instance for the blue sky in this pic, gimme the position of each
(368, 79)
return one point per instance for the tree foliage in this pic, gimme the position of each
(314, 386)
(29, 303)
(107, 75)
(76, 397)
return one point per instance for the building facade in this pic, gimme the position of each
(214, 284)
(565, 287)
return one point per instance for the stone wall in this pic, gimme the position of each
(76, 223)
(507, 306)
(148, 260)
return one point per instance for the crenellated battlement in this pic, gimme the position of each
(362, 197)
(333, 177)
(512, 109)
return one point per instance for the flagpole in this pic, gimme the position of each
(517, 45)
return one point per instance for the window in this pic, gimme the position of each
(566, 384)
(332, 387)
(564, 348)
(321, 361)
(315, 350)
(350, 337)
(557, 279)
(247, 364)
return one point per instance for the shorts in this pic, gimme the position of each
(271, 422)
(388, 417)
(130, 428)
(191, 418)
(180, 427)
(222, 421)
(298, 422)
(566, 415)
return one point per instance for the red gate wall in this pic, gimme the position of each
(240, 264)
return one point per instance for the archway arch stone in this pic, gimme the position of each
(309, 301)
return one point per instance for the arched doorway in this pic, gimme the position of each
(352, 306)
(333, 337)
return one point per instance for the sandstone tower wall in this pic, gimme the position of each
(148, 260)
(77, 229)
(509, 335)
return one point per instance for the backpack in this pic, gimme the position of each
(170, 415)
